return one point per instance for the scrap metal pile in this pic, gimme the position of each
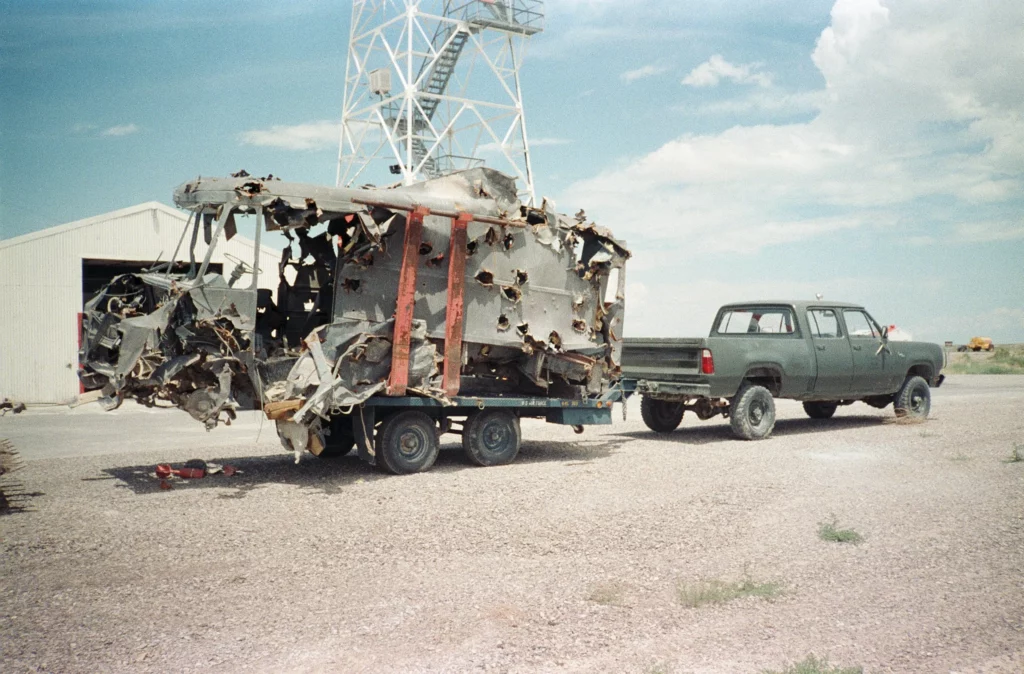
(442, 288)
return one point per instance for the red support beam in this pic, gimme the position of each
(400, 349)
(454, 315)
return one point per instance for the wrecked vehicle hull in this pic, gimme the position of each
(433, 292)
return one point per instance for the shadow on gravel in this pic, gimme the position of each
(331, 476)
(721, 432)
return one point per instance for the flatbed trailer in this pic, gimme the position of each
(402, 434)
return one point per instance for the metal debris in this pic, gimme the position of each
(362, 306)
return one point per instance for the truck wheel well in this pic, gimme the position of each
(920, 371)
(768, 377)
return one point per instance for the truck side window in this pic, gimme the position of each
(824, 323)
(756, 320)
(858, 325)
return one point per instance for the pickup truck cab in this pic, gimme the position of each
(825, 354)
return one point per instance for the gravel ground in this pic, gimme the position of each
(568, 560)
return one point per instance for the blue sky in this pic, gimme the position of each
(870, 151)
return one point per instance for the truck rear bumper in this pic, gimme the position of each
(670, 390)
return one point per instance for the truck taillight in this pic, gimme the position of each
(707, 363)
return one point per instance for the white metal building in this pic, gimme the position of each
(45, 275)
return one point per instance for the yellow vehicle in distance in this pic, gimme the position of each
(978, 344)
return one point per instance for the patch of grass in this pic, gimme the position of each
(1002, 361)
(814, 665)
(1016, 456)
(718, 592)
(830, 531)
(606, 594)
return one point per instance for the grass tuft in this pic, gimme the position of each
(1017, 455)
(718, 591)
(813, 665)
(830, 531)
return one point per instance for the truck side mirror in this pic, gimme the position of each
(885, 332)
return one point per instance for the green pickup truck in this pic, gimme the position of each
(823, 353)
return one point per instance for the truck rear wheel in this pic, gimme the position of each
(407, 443)
(661, 416)
(820, 410)
(752, 413)
(914, 399)
(491, 437)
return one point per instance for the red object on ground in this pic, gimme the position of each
(190, 473)
(164, 484)
(229, 470)
(163, 470)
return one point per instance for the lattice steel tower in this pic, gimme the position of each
(432, 87)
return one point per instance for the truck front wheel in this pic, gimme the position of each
(661, 416)
(914, 399)
(752, 413)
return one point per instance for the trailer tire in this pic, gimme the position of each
(914, 399)
(752, 413)
(491, 437)
(820, 410)
(661, 416)
(341, 440)
(407, 443)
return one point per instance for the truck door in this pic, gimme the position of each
(870, 373)
(832, 352)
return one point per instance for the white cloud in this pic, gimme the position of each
(307, 136)
(716, 69)
(908, 128)
(122, 130)
(643, 72)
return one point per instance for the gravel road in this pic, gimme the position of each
(568, 560)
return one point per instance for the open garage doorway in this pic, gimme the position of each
(98, 273)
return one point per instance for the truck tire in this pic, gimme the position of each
(407, 443)
(752, 413)
(914, 399)
(661, 416)
(491, 437)
(341, 440)
(820, 410)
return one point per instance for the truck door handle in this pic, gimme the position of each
(821, 347)
(856, 348)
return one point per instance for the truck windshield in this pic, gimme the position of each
(756, 320)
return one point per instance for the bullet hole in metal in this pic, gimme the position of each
(579, 326)
(426, 248)
(523, 329)
(512, 293)
(471, 247)
(521, 277)
(503, 323)
(436, 260)
(351, 284)
(555, 339)
(508, 241)
(485, 277)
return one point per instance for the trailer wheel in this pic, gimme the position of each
(752, 413)
(491, 437)
(661, 416)
(407, 443)
(341, 440)
(914, 399)
(819, 410)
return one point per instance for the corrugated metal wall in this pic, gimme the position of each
(41, 291)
